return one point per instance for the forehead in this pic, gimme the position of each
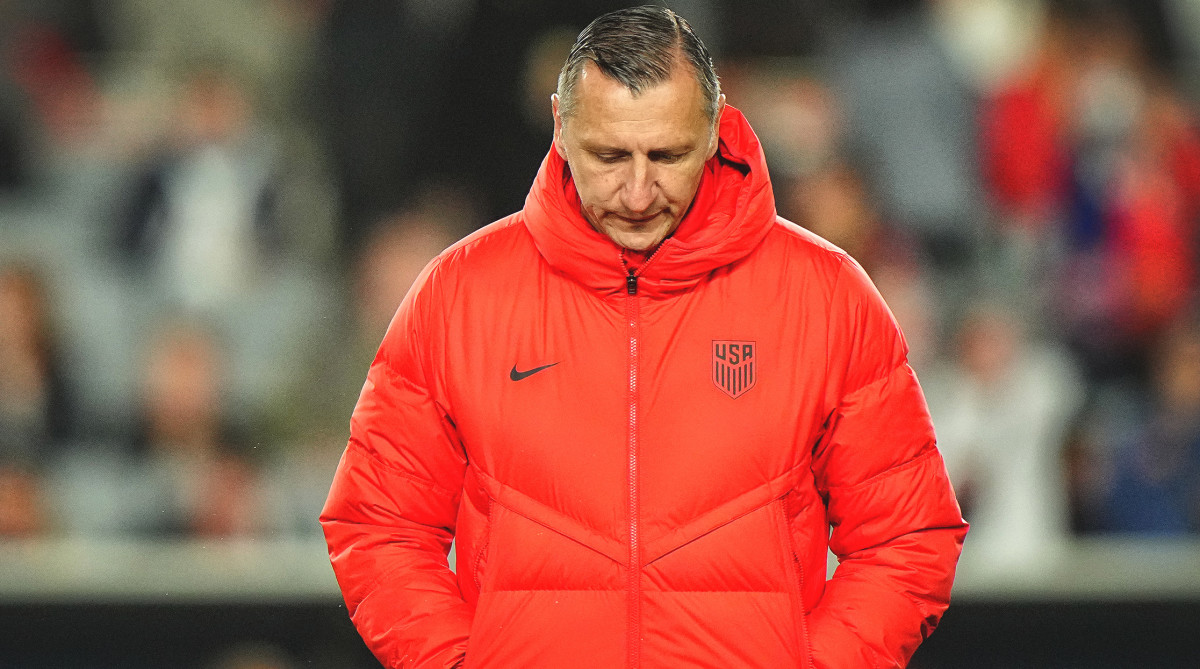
(607, 113)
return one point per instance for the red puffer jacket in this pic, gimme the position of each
(643, 472)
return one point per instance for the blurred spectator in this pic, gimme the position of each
(902, 130)
(1024, 125)
(49, 98)
(47, 51)
(36, 410)
(1024, 131)
(203, 217)
(1131, 266)
(195, 473)
(1155, 486)
(1002, 407)
(220, 222)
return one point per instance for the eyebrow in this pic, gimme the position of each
(602, 149)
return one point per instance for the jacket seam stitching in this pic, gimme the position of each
(890, 371)
(540, 523)
(359, 448)
(925, 454)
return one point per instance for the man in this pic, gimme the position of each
(639, 405)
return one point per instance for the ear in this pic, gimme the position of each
(558, 126)
(715, 140)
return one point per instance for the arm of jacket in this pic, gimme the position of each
(897, 529)
(390, 516)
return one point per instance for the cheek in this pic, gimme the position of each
(680, 189)
(595, 188)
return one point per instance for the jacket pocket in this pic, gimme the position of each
(472, 536)
(795, 570)
(480, 558)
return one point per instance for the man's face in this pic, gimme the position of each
(636, 162)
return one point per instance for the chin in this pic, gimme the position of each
(636, 242)
(640, 240)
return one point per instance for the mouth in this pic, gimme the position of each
(638, 220)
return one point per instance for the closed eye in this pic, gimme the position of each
(609, 158)
(664, 157)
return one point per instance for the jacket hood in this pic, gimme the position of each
(733, 210)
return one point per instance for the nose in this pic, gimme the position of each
(638, 191)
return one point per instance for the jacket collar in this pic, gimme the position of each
(733, 210)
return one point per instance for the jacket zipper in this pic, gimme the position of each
(634, 592)
(634, 584)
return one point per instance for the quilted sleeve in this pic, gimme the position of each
(389, 519)
(896, 526)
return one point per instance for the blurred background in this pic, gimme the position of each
(210, 210)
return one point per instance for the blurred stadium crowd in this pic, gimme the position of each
(210, 210)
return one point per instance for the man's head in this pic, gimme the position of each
(635, 117)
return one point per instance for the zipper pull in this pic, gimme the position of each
(631, 284)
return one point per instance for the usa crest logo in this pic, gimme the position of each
(733, 366)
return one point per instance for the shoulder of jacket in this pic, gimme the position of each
(803, 244)
(497, 242)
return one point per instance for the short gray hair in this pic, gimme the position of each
(638, 47)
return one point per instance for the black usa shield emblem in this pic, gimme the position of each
(733, 366)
